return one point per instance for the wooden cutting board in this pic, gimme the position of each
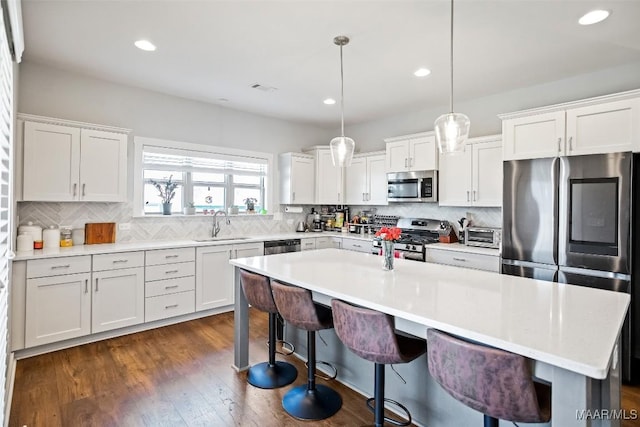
(99, 232)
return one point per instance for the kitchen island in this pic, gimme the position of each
(570, 333)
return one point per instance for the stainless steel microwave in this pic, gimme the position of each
(419, 186)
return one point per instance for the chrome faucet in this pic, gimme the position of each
(216, 225)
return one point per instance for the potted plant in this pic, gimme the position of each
(166, 191)
(250, 203)
(190, 209)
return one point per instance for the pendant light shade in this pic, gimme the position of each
(452, 130)
(342, 147)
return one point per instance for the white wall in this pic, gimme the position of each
(51, 92)
(483, 111)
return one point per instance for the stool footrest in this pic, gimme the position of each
(388, 419)
(325, 377)
(284, 344)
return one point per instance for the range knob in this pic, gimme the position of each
(408, 246)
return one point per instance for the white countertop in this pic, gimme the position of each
(572, 327)
(167, 244)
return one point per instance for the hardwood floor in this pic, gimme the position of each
(178, 375)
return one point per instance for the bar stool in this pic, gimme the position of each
(269, 374)
(311, 401)
(492, 381)
(370, 334)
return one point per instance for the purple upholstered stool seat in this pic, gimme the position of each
(271, 374)
(311, 401)
(492, 381)
(370, 334)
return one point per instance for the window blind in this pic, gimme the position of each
(160, 158)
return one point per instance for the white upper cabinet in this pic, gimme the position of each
(297, 178)
(366, 180)
(598, 125)
(329, 188)
(473, 178)
(534, 137)
(415, 152)
(69, 163)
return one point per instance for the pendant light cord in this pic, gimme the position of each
(341, 95)
(451, 64)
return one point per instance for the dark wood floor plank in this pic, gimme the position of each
(179, 375)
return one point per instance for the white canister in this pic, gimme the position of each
(77, 235)
(34, 230)
(24, 242)
(51, 237)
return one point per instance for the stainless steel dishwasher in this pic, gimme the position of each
(281, 246)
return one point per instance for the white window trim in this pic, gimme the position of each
(139, 142)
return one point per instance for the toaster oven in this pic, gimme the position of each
(485, 237)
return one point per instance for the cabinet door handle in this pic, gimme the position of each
(410, 162)
(468, 200)
(357, 246)
(171, 256)
(75, 189)
(559, 145)
(83, 187)
(166, 307)
(570, 143)
(474, 195)
(171, 272)
(96, 284)
(406, 164)
(459, 259)
(86, 286)
(171, 287)
(368, 197)
(338, 196)
(117, 261)
(55, 267)
(294, 197)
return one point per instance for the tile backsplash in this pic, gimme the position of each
(199, 226)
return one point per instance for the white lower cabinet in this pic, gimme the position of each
(58, 299)
(117, 294)
(169, 283)
(356, 245)
(463, 259)
(308, 244)
(214, 275)
(329, 242)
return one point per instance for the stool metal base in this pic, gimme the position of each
(264, 375)
(490, 421)
(315, 404)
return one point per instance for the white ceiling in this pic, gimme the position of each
(208, 50)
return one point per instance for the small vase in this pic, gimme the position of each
(166, 209)
(387, 255)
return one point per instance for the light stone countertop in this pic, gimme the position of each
(106, 248)
(571, 327)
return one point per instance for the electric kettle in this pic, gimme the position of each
(302, 226)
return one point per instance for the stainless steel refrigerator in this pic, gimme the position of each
(570, 220)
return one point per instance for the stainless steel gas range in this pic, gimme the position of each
(416, 234)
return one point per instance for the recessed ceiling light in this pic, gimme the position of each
(145, 45)
(593, 17)
(422, 72)
(329, 101)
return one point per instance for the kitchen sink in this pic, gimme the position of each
(220, 239)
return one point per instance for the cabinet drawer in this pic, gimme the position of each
(164, 256)
(117, 261)
(356, 245)
(307, 244)
(169, 271)
(171, 305)
(460, 259)
(58, 266)
(169, 286)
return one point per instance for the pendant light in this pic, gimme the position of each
(342, 147)
(452, 129)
